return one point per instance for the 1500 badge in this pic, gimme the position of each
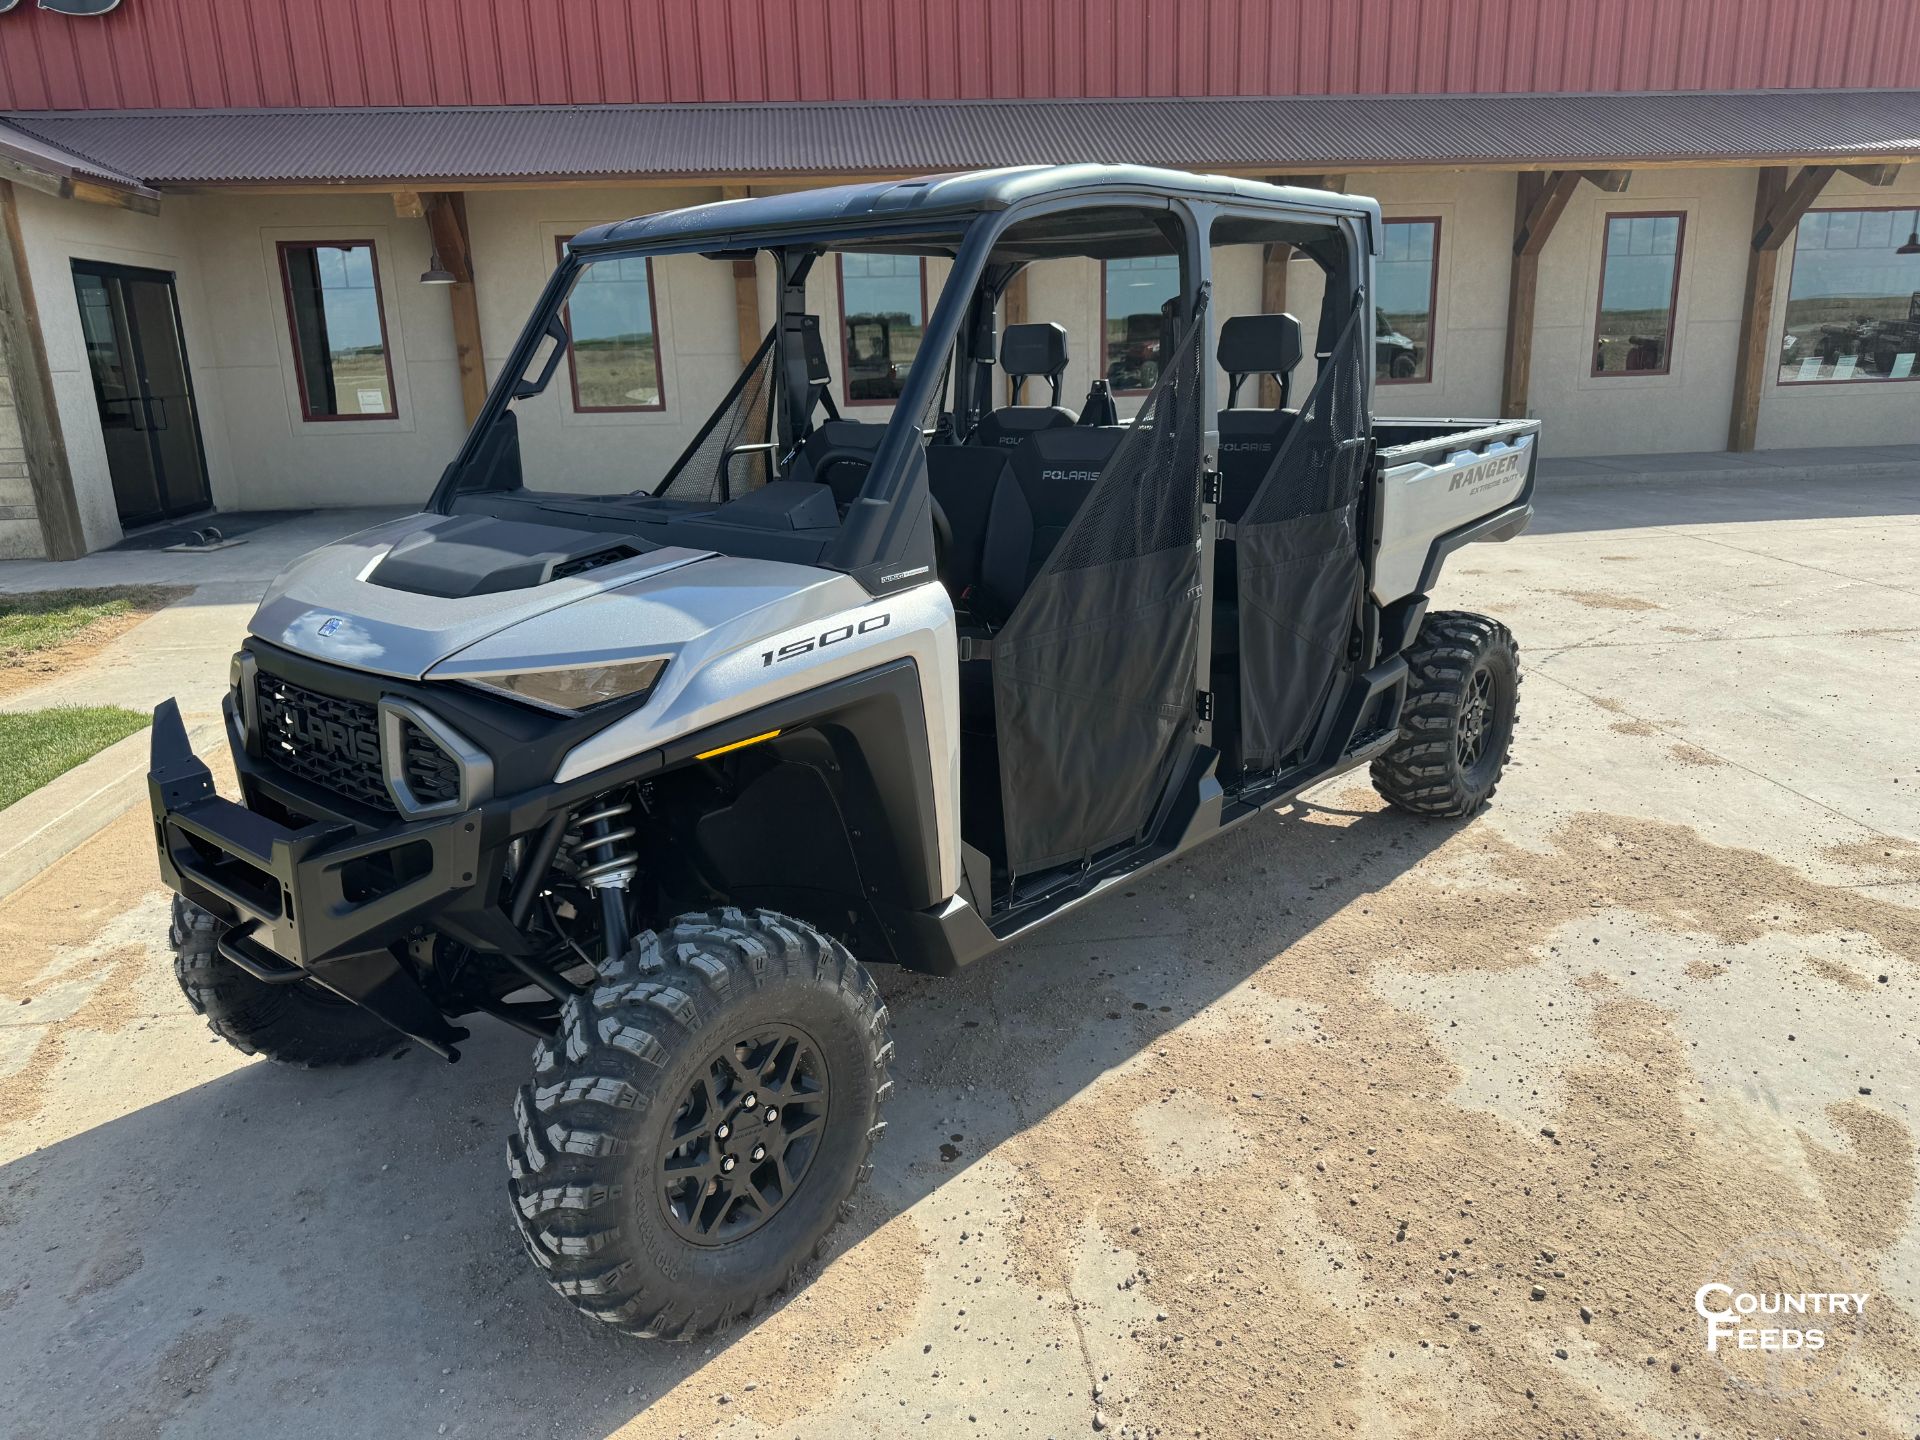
(796, 648)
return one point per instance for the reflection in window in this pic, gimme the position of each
(1853, 305)
(1135, 292)
(1639, 271)
(614, 355)
(339, 333)
(883, 300)
(1403, 304)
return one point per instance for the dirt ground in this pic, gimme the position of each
(1346, 1124)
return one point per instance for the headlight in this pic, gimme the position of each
(579, 688)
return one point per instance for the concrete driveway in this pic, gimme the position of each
(1348, 1123)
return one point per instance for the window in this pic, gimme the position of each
(1132, 294)
(1853, 305)
(1639, 281)
(339, 330)
(614, 354)
(1408, 277)
(883, 304)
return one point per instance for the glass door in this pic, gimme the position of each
(143, 387)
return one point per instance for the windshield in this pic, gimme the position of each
(649, 361)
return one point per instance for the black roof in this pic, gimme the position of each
(940, 199)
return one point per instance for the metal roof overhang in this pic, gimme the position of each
(477, 146)
(29, 160)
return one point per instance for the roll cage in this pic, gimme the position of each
(990, 226)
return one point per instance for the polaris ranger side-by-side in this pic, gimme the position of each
(639, 759)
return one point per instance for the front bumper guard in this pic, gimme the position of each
(321, 902)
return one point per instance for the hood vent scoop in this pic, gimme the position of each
(479, 555)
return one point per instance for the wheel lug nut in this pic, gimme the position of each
(727, 1163)
(722, 1130)
(773, 1113)
(749, 1102)
(759, 1152)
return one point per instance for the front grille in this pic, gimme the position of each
(432, 775)
(325, 741)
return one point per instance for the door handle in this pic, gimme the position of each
(148, 402)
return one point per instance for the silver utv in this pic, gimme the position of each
(638, 757)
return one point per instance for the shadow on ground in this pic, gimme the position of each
(333, 1250)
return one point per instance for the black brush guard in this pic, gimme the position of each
(299, 904)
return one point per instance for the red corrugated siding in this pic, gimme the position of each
(204, 54)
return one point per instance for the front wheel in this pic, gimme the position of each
(698, 1125)
(302, 1024)
(1456, 728)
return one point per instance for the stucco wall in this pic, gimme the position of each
(56, 233)
(261, 453)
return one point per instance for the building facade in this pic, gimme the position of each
(269, 255)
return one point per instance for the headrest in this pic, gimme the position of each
(1259, 345)
(1039, 349)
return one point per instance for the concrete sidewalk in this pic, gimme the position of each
(1816, 466)
(180, 652)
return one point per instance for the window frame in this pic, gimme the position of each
(840, 299)
(1594, 371)
(1433, 297)
(281, 247)
(1788, 299)
(1100, 351)
(560, 243)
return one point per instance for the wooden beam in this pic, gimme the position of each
(407, 205)
(1547, 198)
(140, 202)
(446, 215)
(1614, 182)
(1778, 205)
(48, 475)
(746, 290)
(1014, 299)
(1878, 176)
(1273, 301)
(1770, 231)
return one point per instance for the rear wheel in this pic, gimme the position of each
(696, 1129)
(301, 1024)
(1456, 728)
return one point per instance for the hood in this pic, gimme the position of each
(399, 598)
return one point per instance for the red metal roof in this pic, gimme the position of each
(1297, 134)
(214, 54)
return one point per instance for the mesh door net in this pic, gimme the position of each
(1093, 673)
(1299, 561)
(743, 417)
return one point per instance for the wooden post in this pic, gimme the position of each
(1539, 201)
(1014, 298)
(447, 221)
(1273, 301)
(746, 290)
(49, 476)
(1778, 205)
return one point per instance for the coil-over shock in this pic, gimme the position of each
(599, 846)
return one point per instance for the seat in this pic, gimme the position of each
(1042, 487)
(1025, 351)
(1249, 436)
(963, 479)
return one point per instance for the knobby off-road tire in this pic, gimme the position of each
(614, 1167)
(1456, 728)
(299, 1024)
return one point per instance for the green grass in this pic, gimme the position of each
(47, 619)
(37, 745)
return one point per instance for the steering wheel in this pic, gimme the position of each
(845, 455)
